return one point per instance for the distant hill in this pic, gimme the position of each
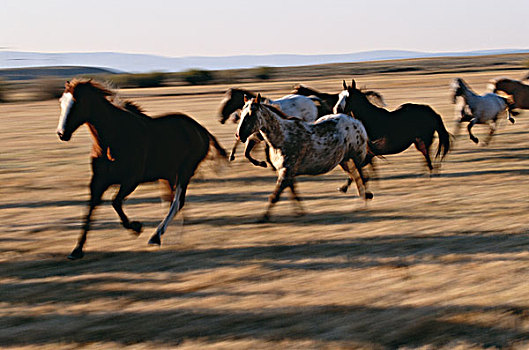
(138, 63)
(31, 73)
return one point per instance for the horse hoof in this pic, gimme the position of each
(368, 195)
(263, 164)
(155, 240)
(77, 253)
(343, 189)
(512, 120)
(475, 140)
(232, 158)
(137, 227)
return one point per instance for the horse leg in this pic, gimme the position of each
(492, 130)
(267, 155)
(284, 180)
(425, 150)
(357, 175)
(370, 159)
(97, 188)
(117, 203)
(346, 185)
(250, 144)
(294, 196)
(469, 128)
(233, 150)
(176, 205)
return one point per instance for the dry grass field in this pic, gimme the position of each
(429, 263)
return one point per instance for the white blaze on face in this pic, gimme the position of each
(66, 105)
(340, 105)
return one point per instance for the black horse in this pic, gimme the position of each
(392, 132)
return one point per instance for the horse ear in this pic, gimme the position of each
(344, 85)
(258, 99)
(245, 98)
(353, 84)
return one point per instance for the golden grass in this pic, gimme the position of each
(430, 263)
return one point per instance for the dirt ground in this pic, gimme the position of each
(429, 263)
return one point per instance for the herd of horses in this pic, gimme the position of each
(305, 133)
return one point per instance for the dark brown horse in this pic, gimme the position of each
(518, 91)
(331, 99)
(392, 132)
(131, 148)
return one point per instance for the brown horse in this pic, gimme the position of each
(332, 99)
(518, 91)
(392, 132)
(131, 148)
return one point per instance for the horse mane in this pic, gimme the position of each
(243, 91)
(100, 87)
(133, 107)
(280, 112)
(298, 87)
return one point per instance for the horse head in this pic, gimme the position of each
(249, 122)
(231, 104)
(456, 88)
(76, 104)
(347, 97)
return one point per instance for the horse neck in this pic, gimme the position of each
(272, 127)
(104, 124)
(366, 111)
(467, 92)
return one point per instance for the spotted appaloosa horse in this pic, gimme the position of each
(478, 109)
(392, 132)
(292, 105)
(301, 148)
(518, 91)
(131, 148)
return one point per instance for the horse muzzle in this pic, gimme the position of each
(63, 136)
(240, 138)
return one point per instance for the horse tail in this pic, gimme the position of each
(444, 136)
(221, 152)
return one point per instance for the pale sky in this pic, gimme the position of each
(222, 28)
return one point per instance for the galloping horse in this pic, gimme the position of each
(332, 99)
(292, 105)
(478, 109)
(516, 89)
(301, 148)
(131, 148)
(392, 132)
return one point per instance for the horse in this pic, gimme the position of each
(518, 91)
(478, 109)
(331, 99)
(293, 105)
(130, 148)
(301, 148)
(392, 132)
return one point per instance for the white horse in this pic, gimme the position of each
(301, 148)
(476, 109)
(292, 105)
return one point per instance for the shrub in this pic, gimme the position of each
(3, 91)
(263, 73)
(197, 76)
(48, 89)
(144, 80)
